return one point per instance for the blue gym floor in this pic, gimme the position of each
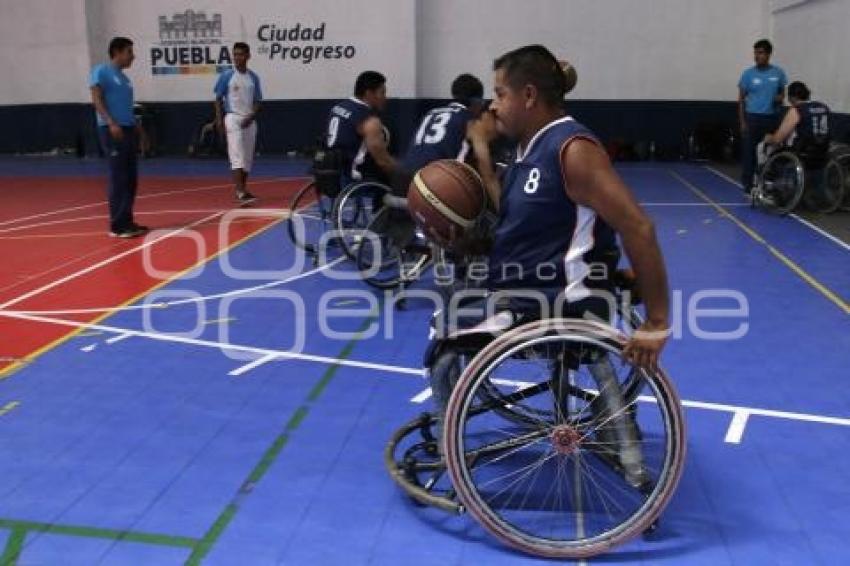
(148, 442)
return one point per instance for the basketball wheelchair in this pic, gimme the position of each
(326, 213)
(371, 226)
(811, 175)
(551, 439)
(840, 153)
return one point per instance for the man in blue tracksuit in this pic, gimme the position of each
(112, 96)
(760, 94)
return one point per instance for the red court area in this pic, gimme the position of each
(57, 254)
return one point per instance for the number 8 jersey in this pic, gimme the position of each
(542, 238)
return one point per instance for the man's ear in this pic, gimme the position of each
(529, 92)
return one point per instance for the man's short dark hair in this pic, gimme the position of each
(764, 44)
(799, 90)
(242, 45)
(467, 88)
(368, 80)
(534, 65)
(118, 44)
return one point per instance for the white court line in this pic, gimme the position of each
(202, 298)
(107, 261)
(427, 393)
(255, 364)
(284, 354)
(802, 221)
(173, 338)
(118, 338)
(736, 427)
(692, 204)
(147, 196)
(102, 217)
(423, 396)
(89, 348)
(821, 231)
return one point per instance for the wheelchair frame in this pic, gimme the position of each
(412, 456)
(783, 182)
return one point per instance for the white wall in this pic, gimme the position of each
(622, 49)
(380, 31)
(43, 51)
(812, 44)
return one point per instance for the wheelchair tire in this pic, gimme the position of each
(781, 183)
(354, 209)
(825, 189)
(843, 160)
(392, 265)
(505, 475)
(309, 218)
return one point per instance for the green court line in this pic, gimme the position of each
(13, 547)
(203, 547)
(92, 532)
(319, 388)
(206, 544)
(200, 548)
(271, 454)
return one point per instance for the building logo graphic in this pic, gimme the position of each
(190, 43)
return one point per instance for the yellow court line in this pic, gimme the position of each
(9, 407)
(799, 271)
(59, 341)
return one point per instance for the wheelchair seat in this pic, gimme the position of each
(327, 168)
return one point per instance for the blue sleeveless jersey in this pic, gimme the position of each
(813, 127)
(441, 135)
(542, 238)
(341, 134)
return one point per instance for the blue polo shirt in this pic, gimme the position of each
(760, 86)
(117, 94)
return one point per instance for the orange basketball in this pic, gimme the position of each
(445, 199)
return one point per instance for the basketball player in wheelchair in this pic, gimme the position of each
(393, 254)
(794, 161)
(535, 390)
(560, 204)
(353, 153)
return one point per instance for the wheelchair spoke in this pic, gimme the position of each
(588, 471)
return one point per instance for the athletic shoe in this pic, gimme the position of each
(244, 197)
(126, 233)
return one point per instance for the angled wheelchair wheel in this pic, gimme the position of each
(843, 160)
(354, 209)
(825, 188)
(599, 464)
(310, 217)
(388, 255)
(781, 183)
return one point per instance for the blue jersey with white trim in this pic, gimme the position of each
(342, 133)
(542, 238)
(441, 135)
(813, 127)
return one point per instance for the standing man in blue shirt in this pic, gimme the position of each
(112, 96)
(760, 94)
(237, 102)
